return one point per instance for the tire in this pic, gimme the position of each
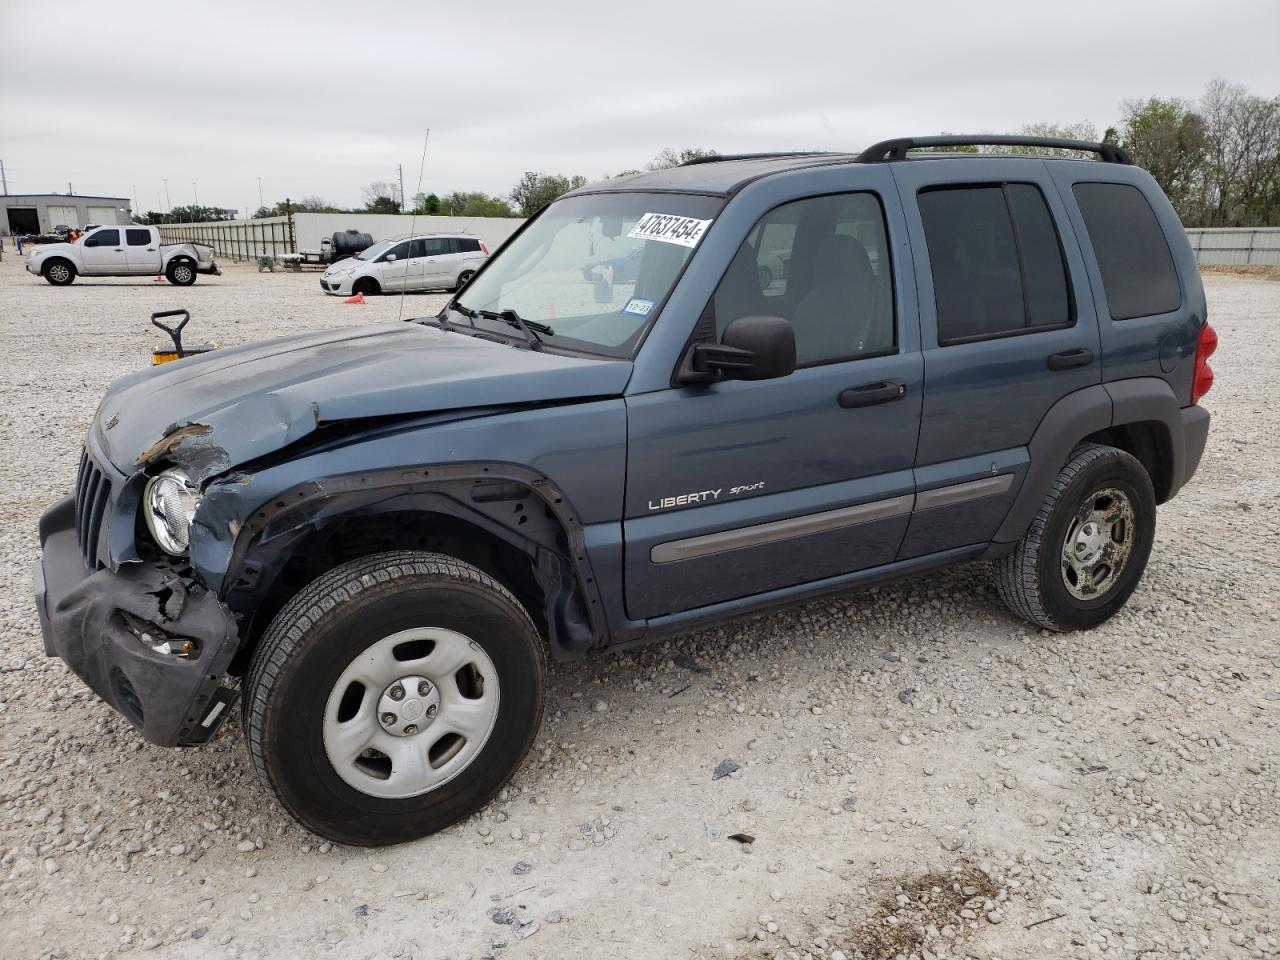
(300, 706)
(366, 285)
(1041, 583)
(181, 273)
(766, 278)
(59, 272)
(463, 279)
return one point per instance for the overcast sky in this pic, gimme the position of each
(321, 99)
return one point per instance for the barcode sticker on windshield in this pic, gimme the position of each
(669, 228)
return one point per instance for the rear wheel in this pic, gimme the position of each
(393, 697)
(181, 273)
(60, 273)
(1087, 548)
(463, 279)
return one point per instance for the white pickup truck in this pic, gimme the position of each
(123, 251)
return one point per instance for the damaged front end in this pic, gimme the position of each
(146, 636)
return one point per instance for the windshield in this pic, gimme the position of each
(594, 269)
(371, 253)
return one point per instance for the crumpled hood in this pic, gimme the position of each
(232, 405)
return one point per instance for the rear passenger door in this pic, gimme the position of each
(142, 250)
(1008, 329)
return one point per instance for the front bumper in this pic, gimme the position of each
(104, 624)
(336, 286)
(33, 265)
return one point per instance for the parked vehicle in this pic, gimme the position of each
(433, 261)
(129, 251)
(348, 243)
(376, 537)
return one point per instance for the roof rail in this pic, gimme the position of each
(717, 157)
(888, 150)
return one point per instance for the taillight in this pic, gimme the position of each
(484, 248)
(1203, 379)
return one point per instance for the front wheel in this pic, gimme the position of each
(463, 279)
(181, 273)
(394, 696)
(367, 286)
(1087, 548)
(60, 273)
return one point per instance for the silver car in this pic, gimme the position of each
(432, 261)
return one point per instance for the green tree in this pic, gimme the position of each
(195, 214)
(382, 197)
(1167, 137)
(475, 204)
(427, 205)
(535, 190)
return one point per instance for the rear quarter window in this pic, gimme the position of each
(1138, 275)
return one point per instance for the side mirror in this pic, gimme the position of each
(390, 258)
(751, 348)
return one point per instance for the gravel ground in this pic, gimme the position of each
(913, 771)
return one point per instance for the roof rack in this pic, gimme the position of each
(888, 150)
(781, 155)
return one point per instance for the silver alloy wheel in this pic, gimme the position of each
(182, 273)
(1098, 543)
(59, 272)
(411, 712)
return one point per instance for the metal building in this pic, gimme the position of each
(41, 212)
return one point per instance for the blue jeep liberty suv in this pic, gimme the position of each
(825, 371)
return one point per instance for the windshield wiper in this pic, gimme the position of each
(530, 328)
(465, 311)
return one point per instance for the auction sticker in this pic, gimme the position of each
(668, 228)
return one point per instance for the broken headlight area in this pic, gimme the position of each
(169, 505)
(157, 640)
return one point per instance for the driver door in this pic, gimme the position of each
(103, 252)
(393, 267)
(738, 487)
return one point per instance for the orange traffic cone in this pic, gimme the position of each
(158, 278)
(358, 298)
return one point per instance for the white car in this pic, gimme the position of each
(434, 261)
(122, 251)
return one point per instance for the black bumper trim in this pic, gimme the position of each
(85, 619)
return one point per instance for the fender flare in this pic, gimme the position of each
(1085, 412)
(467, 491)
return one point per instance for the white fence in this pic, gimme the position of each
(1236, 245)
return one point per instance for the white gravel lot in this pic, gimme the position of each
(920, 772)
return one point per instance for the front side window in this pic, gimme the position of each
(593, 269)
(1138, 275)
(997, 264)
(138, 238)
(822, 264)
(104, 238)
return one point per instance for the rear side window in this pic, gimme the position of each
(437, 246)
(997, 262)
(1137, 268)
(138, 238)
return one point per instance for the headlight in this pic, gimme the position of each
(169, 503)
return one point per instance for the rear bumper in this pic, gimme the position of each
(104, 626)
(213, 269)
(1195, 433)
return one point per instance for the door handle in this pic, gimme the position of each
(869, 394)
(1069, 359)
(119, 249)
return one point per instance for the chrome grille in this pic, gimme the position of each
(93, 490)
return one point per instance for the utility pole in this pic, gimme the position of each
(260, 201)
(69, 190)
(194, 193)
(4, 182)
(400, 167)
(168, 204)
